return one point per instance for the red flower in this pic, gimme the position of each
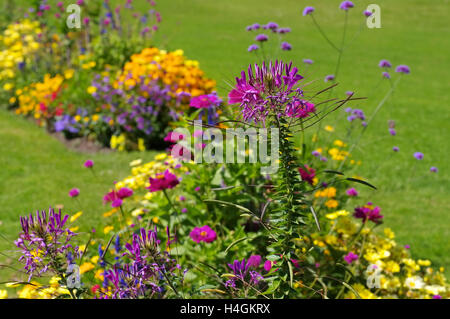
(307, 174)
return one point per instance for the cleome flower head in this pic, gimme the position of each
(44, 242)
(268, 90)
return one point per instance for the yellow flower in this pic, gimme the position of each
(339, 143)
(99, 275)
(68, 74)
(107, 229)
(95, 259)
(141, 145)
(111, 212)
(87, 266)
(337, 214)
(8, 86)
(3, 294)
(389, 233)
(91, 90)
(331, 203)
(424, 262)
(76, 216)
(329, 128)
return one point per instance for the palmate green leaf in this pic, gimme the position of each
(351, 179)
(234, 244)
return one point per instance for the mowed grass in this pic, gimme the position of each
(37, 171)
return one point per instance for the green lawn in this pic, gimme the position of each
(37, 171)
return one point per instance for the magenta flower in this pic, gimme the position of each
(254, 261)
(275, 80)
(329, 77)
(384, 64)
(308, 10)
(351, 257)
(74, 192)
(116, 197)
(205, 233)
(284, 30)
(261, 38)
(307, 173)
(352, 192)
(205, 101)
(253, 47)
(403, 69)
(433, 169)
(271, 26)
(386, 75)
(89, 164)
(345, 5)
(173, 137)
(267, 265)
(308, 61)
(299, 109)
(396, 149)
(392, 131)
(44, 242)
(367, 13)
(418, 156)
(369, 212)
(163, 181)
(285, 46)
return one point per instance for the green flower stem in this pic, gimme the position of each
(323, 33)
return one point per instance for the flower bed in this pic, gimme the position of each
(181, 226)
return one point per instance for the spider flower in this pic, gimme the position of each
(265, 90)
(242, 273)
(44, 242)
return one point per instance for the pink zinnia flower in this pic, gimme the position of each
(352, 192)
(74, 192)
(116, 197)
(89, 164)
(369, 212)
(205, 101)
(163, 181)
(205, 233)
(351, 257)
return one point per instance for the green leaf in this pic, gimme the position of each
(333, 172)
(234, 243)
(242, 208)
(360, 181)
(315, 217)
